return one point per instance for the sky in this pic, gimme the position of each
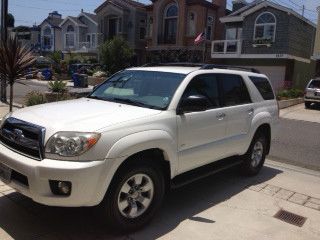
(29, 12)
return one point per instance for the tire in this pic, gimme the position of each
(307, 104)
(255, 157)
(123, 210)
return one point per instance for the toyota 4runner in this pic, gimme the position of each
(139, 133)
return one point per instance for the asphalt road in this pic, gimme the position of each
(298, 141)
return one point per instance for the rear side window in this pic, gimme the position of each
(264, 87)
(314, 84)
(234, 90)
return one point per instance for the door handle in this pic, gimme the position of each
(221, 116)
(251, 111)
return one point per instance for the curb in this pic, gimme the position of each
(289, 103)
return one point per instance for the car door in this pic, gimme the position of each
(201, 134)
(239, 110)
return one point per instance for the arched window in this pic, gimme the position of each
(191, 24)
(170, 23)
(70, 28)
(265, 27)
(47, 31)
(70, 37)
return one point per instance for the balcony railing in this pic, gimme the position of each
(224, 47)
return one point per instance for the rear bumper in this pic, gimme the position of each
(311, 99)
(86, 179)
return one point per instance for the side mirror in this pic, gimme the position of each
(196, 103)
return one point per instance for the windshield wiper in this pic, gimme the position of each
(134, 102)
(96, 97)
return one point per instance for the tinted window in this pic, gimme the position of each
(205, 85)
(144, 88)
(234, 90)
(315, 84)
(264, 87)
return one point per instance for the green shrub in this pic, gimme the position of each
(58, 86)
(290, 94)
(35, 98)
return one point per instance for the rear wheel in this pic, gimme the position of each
(255, 157)
(134, 197)
(308, 104)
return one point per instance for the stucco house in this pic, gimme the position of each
(173, 25)
(80, 34)
(28, 36)
(51, 33)
(125, 18)
(316, 54)
(269, 37)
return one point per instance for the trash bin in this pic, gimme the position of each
(83, 80)
(76, 80)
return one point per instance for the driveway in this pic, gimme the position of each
(224, 206)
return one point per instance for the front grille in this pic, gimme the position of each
(23, 137)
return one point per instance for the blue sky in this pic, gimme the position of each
(28, 12)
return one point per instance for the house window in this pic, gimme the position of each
(47, 38)
(265, 27)
(233, 33)
(142, 33)
(170, 23)
(91, 39)
(192, 24)
(210, 21)
(70, 37)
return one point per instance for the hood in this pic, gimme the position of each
(81, 115)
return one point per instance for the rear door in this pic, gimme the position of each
(239, 111)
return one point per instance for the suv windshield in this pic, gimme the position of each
(314, 84)
(148, 89)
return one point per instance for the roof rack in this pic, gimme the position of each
(175, 64)
(202, 66)
(212, 66)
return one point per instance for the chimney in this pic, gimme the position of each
(220, 3)
(55, 14)
(221, 12)
(237, 4)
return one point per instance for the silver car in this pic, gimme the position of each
(312, 93)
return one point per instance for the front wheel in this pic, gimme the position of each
(134, 197)
(255, 157)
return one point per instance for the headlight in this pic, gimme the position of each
(70, 144)
(4, 119)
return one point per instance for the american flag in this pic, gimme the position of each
(200, 38)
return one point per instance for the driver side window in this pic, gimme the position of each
(205, 85)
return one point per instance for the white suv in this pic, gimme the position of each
(139, 133)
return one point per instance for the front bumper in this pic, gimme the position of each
(84, 176)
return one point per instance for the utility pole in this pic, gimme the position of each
(4, 36)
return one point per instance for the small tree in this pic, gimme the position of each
(116, 54)
(14, 61)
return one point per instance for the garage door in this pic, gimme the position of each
(276, 74)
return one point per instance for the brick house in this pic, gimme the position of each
(125, 18)
(173, 25)
(272, 38)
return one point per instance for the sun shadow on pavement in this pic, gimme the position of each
(21, 218)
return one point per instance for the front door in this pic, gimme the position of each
(113, 27)
(201, 134)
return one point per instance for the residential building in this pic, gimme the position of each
(28, 36)
(127, 19)
(80, 34)
(269, 37)
(173, 25)
(316, 54)
(51, 33)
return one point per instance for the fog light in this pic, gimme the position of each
(62, 188)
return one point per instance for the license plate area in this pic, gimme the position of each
(5, 173)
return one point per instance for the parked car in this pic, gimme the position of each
(312, 93)
(143, 131)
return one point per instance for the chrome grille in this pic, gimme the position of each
(23, 137)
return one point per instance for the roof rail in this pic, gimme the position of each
(212, 66)
(175, 64)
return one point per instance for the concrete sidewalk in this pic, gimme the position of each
(4, 109)
(224, 206)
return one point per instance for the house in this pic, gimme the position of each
(127, 19)
(28, 36)
(51, 33)
(316, 54)
(173, 25)
(80, 34)
(269, 37)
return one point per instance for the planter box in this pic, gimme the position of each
(55, 97)
(93, 81)
(291, 102)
